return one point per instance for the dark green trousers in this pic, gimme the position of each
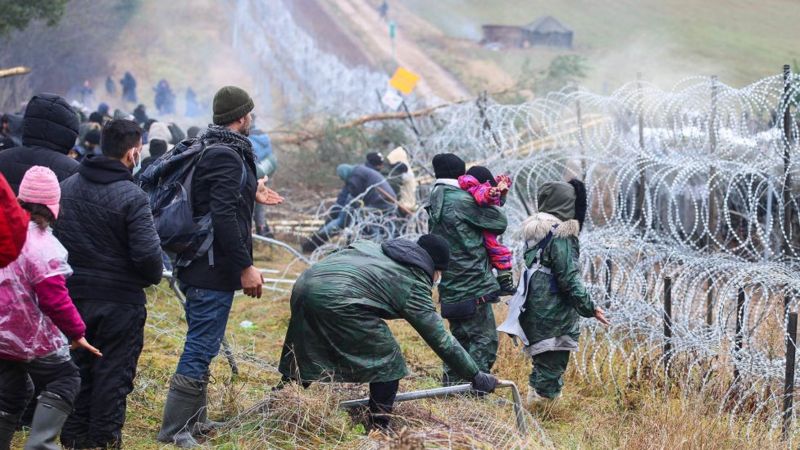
(547, 376)
(478, 336)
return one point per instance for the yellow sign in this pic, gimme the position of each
(404, 80)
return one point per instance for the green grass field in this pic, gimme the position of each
(666, 40)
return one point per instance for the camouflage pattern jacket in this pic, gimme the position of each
(455, 216)
(337, 330)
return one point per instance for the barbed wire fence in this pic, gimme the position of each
(691, 197)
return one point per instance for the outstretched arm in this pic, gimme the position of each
(421, 314)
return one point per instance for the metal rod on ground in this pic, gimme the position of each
(667, 322)
(452, 390)
(788, 383)
(737, 340)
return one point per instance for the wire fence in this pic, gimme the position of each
(694, 184)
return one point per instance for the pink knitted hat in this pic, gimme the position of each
(40, 185)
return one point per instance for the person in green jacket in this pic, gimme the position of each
(339, 307)
(546, 310)
(468, 287)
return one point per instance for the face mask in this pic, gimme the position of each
(137, 163)
(437, 280)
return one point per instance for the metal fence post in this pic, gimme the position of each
(667, 322)
(788, 383)
(737, 340)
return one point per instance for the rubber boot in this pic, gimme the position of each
(205, 426)
(49, 416)
(534, 397)
(181, 411)
(506, 280)
(8, 424)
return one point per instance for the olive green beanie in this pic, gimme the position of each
(557, 198)
(231, 103)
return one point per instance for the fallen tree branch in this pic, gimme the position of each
(14, 71)
(299, 137)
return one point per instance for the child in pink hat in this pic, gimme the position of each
(38, 321)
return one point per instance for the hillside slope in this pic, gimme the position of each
(666, 40)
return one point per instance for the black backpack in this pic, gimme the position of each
(168, 184)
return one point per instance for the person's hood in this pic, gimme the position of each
(398, 155)
(104, 170)
(437, 197)
(51, 123)
(408, 253)
(557, 198)
(160, 130)
(536, 227)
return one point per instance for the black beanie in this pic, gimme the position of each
(448, 165)
(482, 174)
(96, 117)
(231, 103)
(374, 159)
(93, 137)
(437, 248)
(158, 147)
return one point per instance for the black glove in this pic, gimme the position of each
(484, 382)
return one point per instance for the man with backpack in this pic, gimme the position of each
(107, 227)
(223, 188)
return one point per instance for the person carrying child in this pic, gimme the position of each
(38, 321)
(488, 190)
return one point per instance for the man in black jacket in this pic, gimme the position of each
(49, 130)
(107, 227)
(224, 184)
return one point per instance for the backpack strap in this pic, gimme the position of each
(542, 244)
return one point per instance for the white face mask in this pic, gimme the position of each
(137, 163)
(437, 280)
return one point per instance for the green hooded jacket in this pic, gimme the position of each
(455, 216)
(337, 330)
(554, 302)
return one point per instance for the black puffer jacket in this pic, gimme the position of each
(49, 130)
(215, 189)
(106, 225)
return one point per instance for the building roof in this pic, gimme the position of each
(547, 24)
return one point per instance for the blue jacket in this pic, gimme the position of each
(266, 162)
(364, 180)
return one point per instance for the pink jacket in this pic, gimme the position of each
(482, 192)
(35, 308)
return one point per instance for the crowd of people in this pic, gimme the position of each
(85, 230)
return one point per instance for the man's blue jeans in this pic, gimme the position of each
(207, 316)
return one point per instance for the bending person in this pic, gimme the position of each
(338, 331)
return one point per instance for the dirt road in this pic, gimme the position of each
(436, 82)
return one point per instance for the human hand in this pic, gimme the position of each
(601, 316)
(252, 282)
(484, 382)
(265, 195)
(502, 186)
(84, 344)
